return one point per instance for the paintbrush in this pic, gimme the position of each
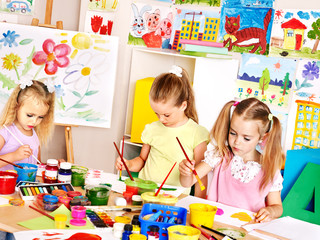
(217, 232)
(124, 163)
(120, 172)
(43, 213)
(202, 187)
(165, 179)
(210, 237)
(11, 163)
(18, 140)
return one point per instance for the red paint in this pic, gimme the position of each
(152, 40)
(51, 234)
(298, 41)
(103, 30)
(96, 22)
(84, 236)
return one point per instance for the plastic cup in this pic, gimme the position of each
(28, 173)
(132, 186)
(78, 175)
(147, 186)
(181, 232)
(149, 197)
(98, 194)
(60, 221)
(168, 199)
(78, 212)
(202, 214)
(7, 182)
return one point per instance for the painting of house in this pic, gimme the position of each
(294, 31)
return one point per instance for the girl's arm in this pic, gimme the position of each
(273, 208)
(136, 164)
(198, 153)
(187, 179)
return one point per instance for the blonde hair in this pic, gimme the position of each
(39, 91)
(252, 109)
(169, 86)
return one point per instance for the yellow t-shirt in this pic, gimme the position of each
(165, 149)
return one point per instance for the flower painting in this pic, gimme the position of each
(79, 67)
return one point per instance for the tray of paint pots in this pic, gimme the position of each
(28, 192)
(178, 213)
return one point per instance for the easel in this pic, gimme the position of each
(47, 18)
(59, 25)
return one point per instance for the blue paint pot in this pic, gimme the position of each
(28, 173)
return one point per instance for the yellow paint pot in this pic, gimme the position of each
(202, 214)
(180, 232)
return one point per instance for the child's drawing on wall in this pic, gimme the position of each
(296, 33)
(194, 25)
(248, 3)
(103, 5)
(99, 22)
(150, 26)
(246, 29)
(265, 78)
(210, 3)
(23, 7)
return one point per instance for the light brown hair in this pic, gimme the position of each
(39, 91)
(252, 109)
(169, 86)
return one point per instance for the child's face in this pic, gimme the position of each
(243, 137)
(30, 114)
(168, 114)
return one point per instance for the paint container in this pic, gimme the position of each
(202, 214)
(78, 175)
(167, 199)
(28, 173)
(132, 186)
(7, 182)
(136, 236)
(118, 229)
(122, 219)
(98, 194)
(146, 186)
(73, 194)
(128, 197)
(78, 212)
(50, 202)
(38, 200)
(60, 221)
(59, 192)
(136, 200)
(65, 200)
(83, 200)
(180, 232)
(41, 170)
(149, 197)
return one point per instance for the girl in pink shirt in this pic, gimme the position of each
(242, 176)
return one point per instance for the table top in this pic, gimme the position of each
(10, 215)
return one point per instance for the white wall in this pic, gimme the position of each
(93, 147)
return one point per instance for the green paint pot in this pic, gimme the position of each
(98, 194)
(78, 175)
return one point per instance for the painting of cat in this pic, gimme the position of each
(251, 36)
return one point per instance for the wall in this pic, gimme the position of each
(93, 147)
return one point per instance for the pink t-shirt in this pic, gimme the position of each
(230, 191)
(11, 144)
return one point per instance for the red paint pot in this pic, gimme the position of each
(7, 182)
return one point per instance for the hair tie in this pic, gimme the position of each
(235, 103)
(176, 70)
(233, 107)
(270, 116)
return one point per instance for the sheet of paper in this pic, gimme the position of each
(4, 201)
(225, 214)
(288, 227)
(120, 187)
(47, 223)
(57, 234)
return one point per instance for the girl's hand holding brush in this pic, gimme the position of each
(119, 164)
(186, 168)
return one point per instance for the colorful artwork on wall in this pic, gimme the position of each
(248, 3)
(99, 22)
(103, 5)
(23, 7)
(194, 25)
(305, 107)
(80, 67)
(296, 33)
(245, 29)
(210, 3)
(150, 26)
(265, 78)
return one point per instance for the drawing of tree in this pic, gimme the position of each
(315, 34)
(286, 83)
(264, 80)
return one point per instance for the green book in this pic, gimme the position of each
(202, 54)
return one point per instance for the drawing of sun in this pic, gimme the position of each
(277, 66)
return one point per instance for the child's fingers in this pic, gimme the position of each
(185, 168)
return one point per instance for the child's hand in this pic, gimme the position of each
(263, 215)
(119, 164)
(185, 167)
(22, 152)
